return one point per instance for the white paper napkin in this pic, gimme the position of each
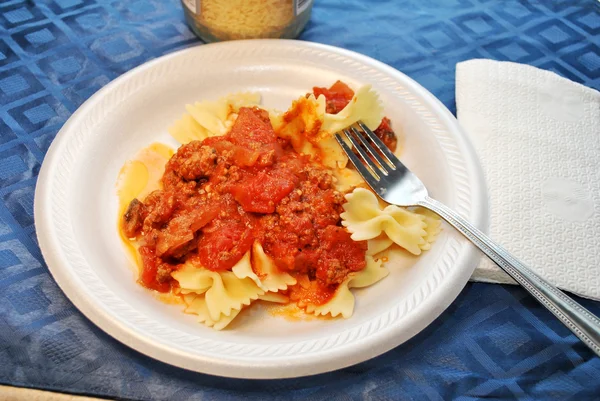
(538, 138)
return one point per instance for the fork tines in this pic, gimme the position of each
(377, 161)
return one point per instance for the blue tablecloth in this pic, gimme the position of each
(493, 342)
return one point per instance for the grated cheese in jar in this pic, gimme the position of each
(216, 20)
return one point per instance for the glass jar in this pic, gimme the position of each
(216, 20)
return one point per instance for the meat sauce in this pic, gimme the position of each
(221, 194)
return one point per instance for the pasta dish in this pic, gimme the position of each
(261, 205)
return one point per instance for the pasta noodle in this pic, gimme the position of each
(346, 180)
(433, 226)
(366, 220)
(305, 116)
(210, 118)
(196, 304)
(365, 106)
(186, 129)
(274, 297)
(263, 271)
(378, 244)
(223, 291)
(308, 116)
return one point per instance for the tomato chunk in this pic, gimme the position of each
(386, 134)
(252, 129)
(337, 96)
(226, 239)
(263, 192)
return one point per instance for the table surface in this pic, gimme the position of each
(494, 340)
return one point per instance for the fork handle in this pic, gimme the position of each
(579, 320)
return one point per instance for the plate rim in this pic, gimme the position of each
(377, 344)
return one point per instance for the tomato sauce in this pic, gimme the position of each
(220, 195)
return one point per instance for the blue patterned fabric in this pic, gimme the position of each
(493, 342)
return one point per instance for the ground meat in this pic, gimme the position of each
(173, 182)
(160, 206)
(292, 238)
(318, 176)
(163, 272)
(332, 272)
(193, 161)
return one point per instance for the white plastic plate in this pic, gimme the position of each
(76, 211)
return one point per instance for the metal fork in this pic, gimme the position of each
(396, 184)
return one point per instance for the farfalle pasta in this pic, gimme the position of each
(433, 226)
(223, 292)
(204, 119)
(261, 269)
(258, 205)
(308, 115)
(196, 305)
(366, 220)
(364, 106)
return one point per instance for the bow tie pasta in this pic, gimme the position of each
(366, 220)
